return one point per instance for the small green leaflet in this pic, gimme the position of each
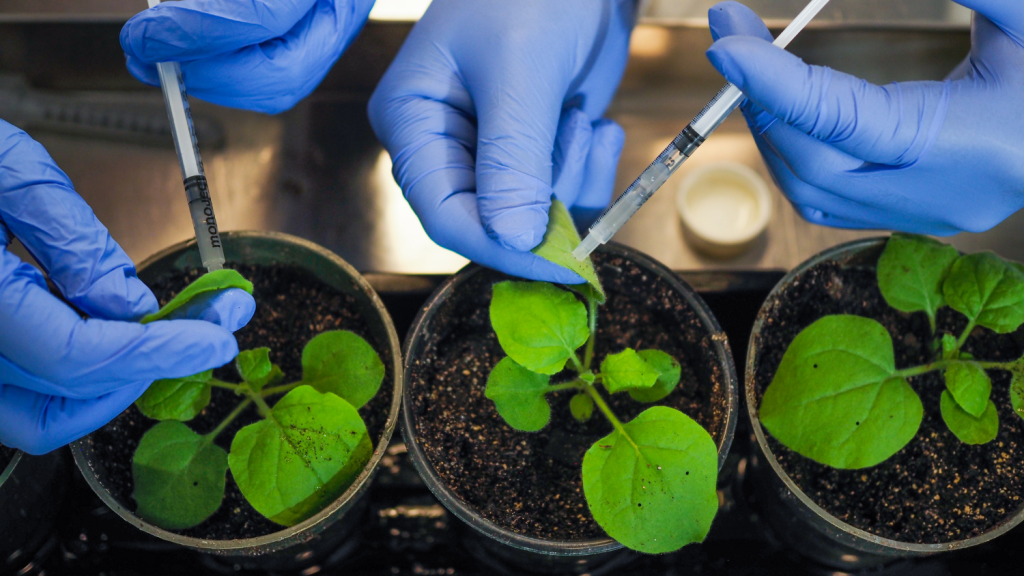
(626, 370)
(179, 476)
(1017, 388)
(970, 386)
(176, 398)
(538, 325)
(518, 394)
(560, 240)
(302, 458)
(209, 282)
(835, 397)
(581, 406)
(988, 290)
(255, 367)
(969, 429)
(668, 370)
(342, 363)
(911, 271)
(949, 351)
(653, 488)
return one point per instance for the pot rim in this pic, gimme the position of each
(6, 472)
(467, 513)
(289, 535)
(837, 253)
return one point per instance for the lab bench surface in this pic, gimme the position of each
(405, 531)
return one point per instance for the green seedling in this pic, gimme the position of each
(304, 452)
(837, 396)
(651, 483)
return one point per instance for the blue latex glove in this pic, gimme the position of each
(491, 107)
(926, 157)
(262, 55)
(61, 377)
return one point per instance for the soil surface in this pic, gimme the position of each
(292, 307)
(6, 454)
(936, 489)
(531, 483)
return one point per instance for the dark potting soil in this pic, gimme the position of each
(936, 489)
(6, 454)
(531, 483)
(292, 306)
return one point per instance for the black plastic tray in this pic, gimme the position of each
(407, 532)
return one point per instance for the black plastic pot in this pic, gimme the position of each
(32, 489)
(303, 543)
(504, 550)
(803, 525)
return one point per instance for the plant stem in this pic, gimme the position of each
(262, 404)
(588, 356)
(599, 401)
(943, 364)
(963, 336)
(576, 363)
(279, 389)
(931, 322)
(228, 420)
(575, 384)
(236, 388)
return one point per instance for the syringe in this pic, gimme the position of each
(681, 148)
(196, 190)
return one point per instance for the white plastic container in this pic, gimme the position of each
(724, 208)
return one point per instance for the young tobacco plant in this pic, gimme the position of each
(651, 483)
(837, 396)
(304, 452)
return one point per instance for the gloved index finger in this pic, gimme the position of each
(192, 29)
(891, 125)
(39, 205)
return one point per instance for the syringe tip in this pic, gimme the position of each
(588, 245)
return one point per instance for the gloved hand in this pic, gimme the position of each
(262, 55)
(926, 157)
(488, 104)
(61, 377)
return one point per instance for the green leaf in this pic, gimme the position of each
(303, 457)
(518, 394)
(949, 351)
(255, 367)
(560, 240)
(176, 398)
(343, 363)
(626, 370)
(1017, 388)
(668, 376)
(581, 406)
(911, 271)
(969, 429)
(539, 325)
(970, 386)
(836, 398)
(988, 290)
(209, 282)
(652, 487)
(179, 476)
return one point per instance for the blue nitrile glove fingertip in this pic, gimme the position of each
(523, 241)
(734, 19)
(230, 309)
(722, 58)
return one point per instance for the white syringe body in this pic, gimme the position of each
(681, 148)
(197, 192)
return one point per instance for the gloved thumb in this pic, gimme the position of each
(230, 309)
